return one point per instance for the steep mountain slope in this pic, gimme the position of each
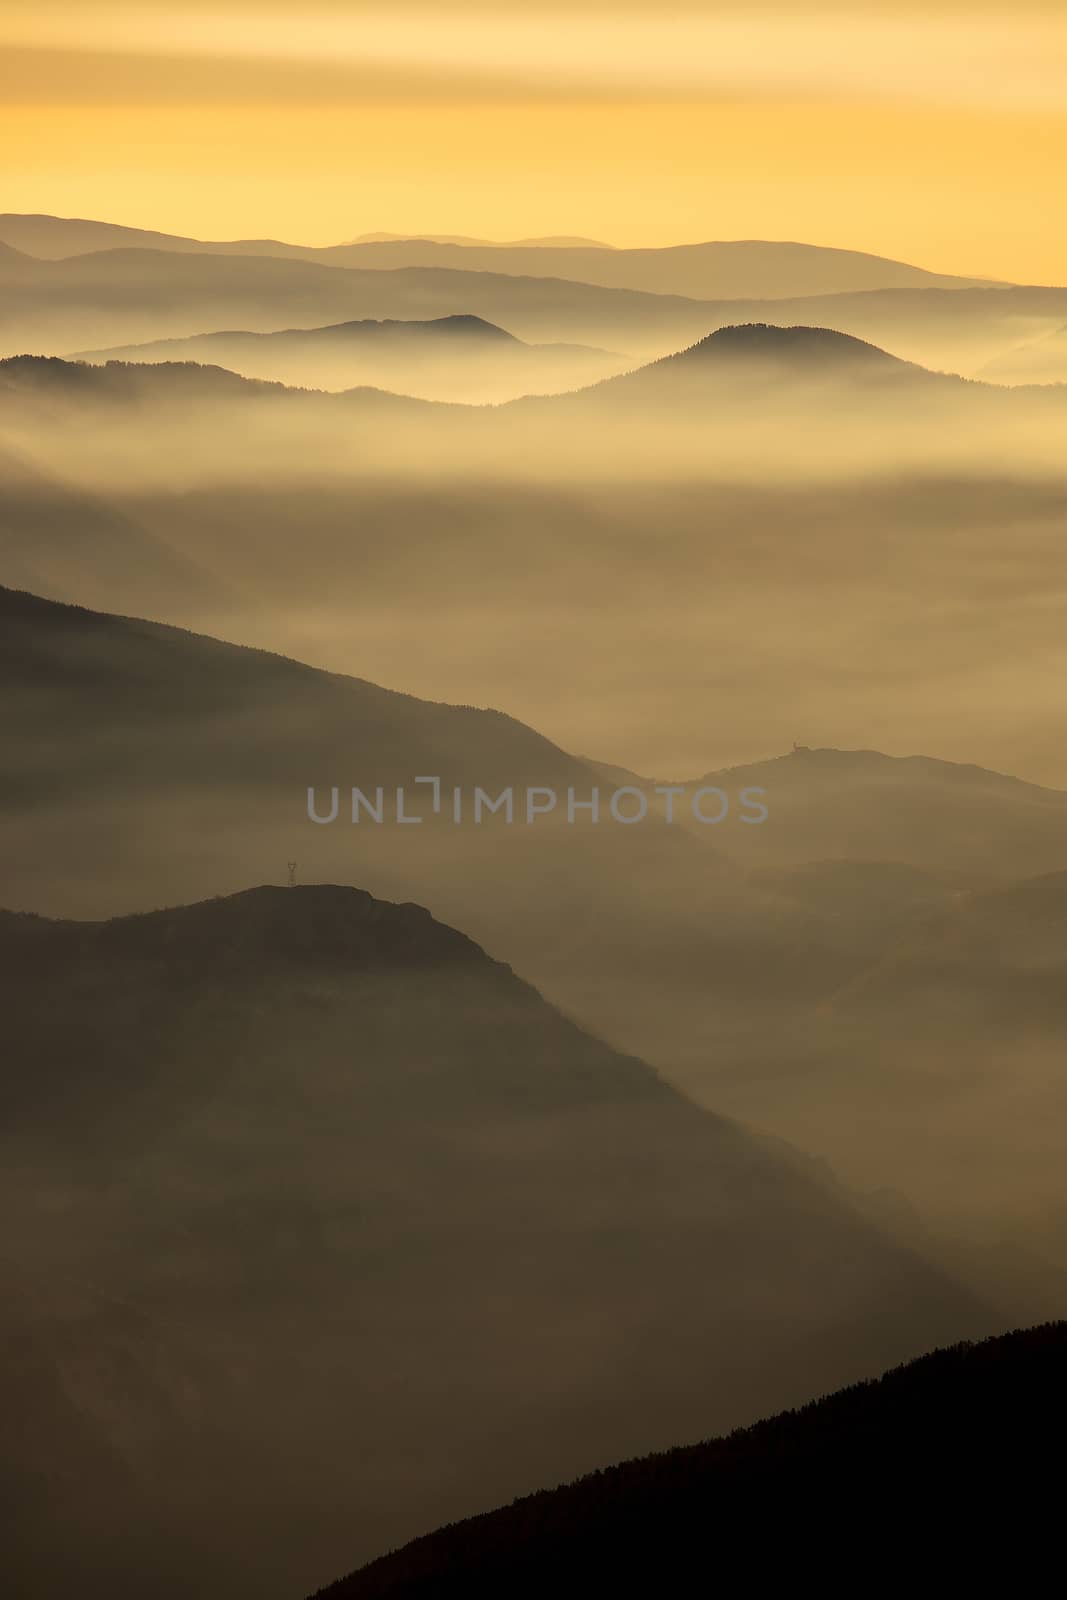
(182, 767)
(959, 1433)
(353, 1179)
(275, 721)
(146, 761)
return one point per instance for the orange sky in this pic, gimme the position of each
(935, 136)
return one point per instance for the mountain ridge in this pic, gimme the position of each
(831, 758)
(458, 323)
(305, 923)
(135, 294)
(709, 268)
(23, 606)
(310, 1133)
(960, 1425)
(755, 352)
(460, 358)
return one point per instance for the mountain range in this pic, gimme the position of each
(560, 241)
(755, 372)
(133, 294)
(457, 358)
(863, 484)
(751, 268)
(804, 983)
(521, 1132)
(302, 1148)
(941, 816)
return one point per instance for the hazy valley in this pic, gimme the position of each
(315, 1210)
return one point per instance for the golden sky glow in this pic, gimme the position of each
(939, 137)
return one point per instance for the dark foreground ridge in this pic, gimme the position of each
(905, 1466)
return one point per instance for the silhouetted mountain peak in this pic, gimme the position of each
(322, 925)
(816, 762)
(758, 360)
(460, 326)
(801, 347)
(468, 324)
(327, 924)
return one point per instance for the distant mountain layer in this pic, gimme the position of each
(12, 257)
(749, 268)
(457, 358)
(127, 296)
(440, 330)
(122, 296)
(959, 1438)
(297, 722)
(54, 238)
(994, 961)
(735, 361)
(560, 241)
(784, 350)
(861, 805)
(727, 270)
(331, 1171)
(775, 369)
(1043, 361)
